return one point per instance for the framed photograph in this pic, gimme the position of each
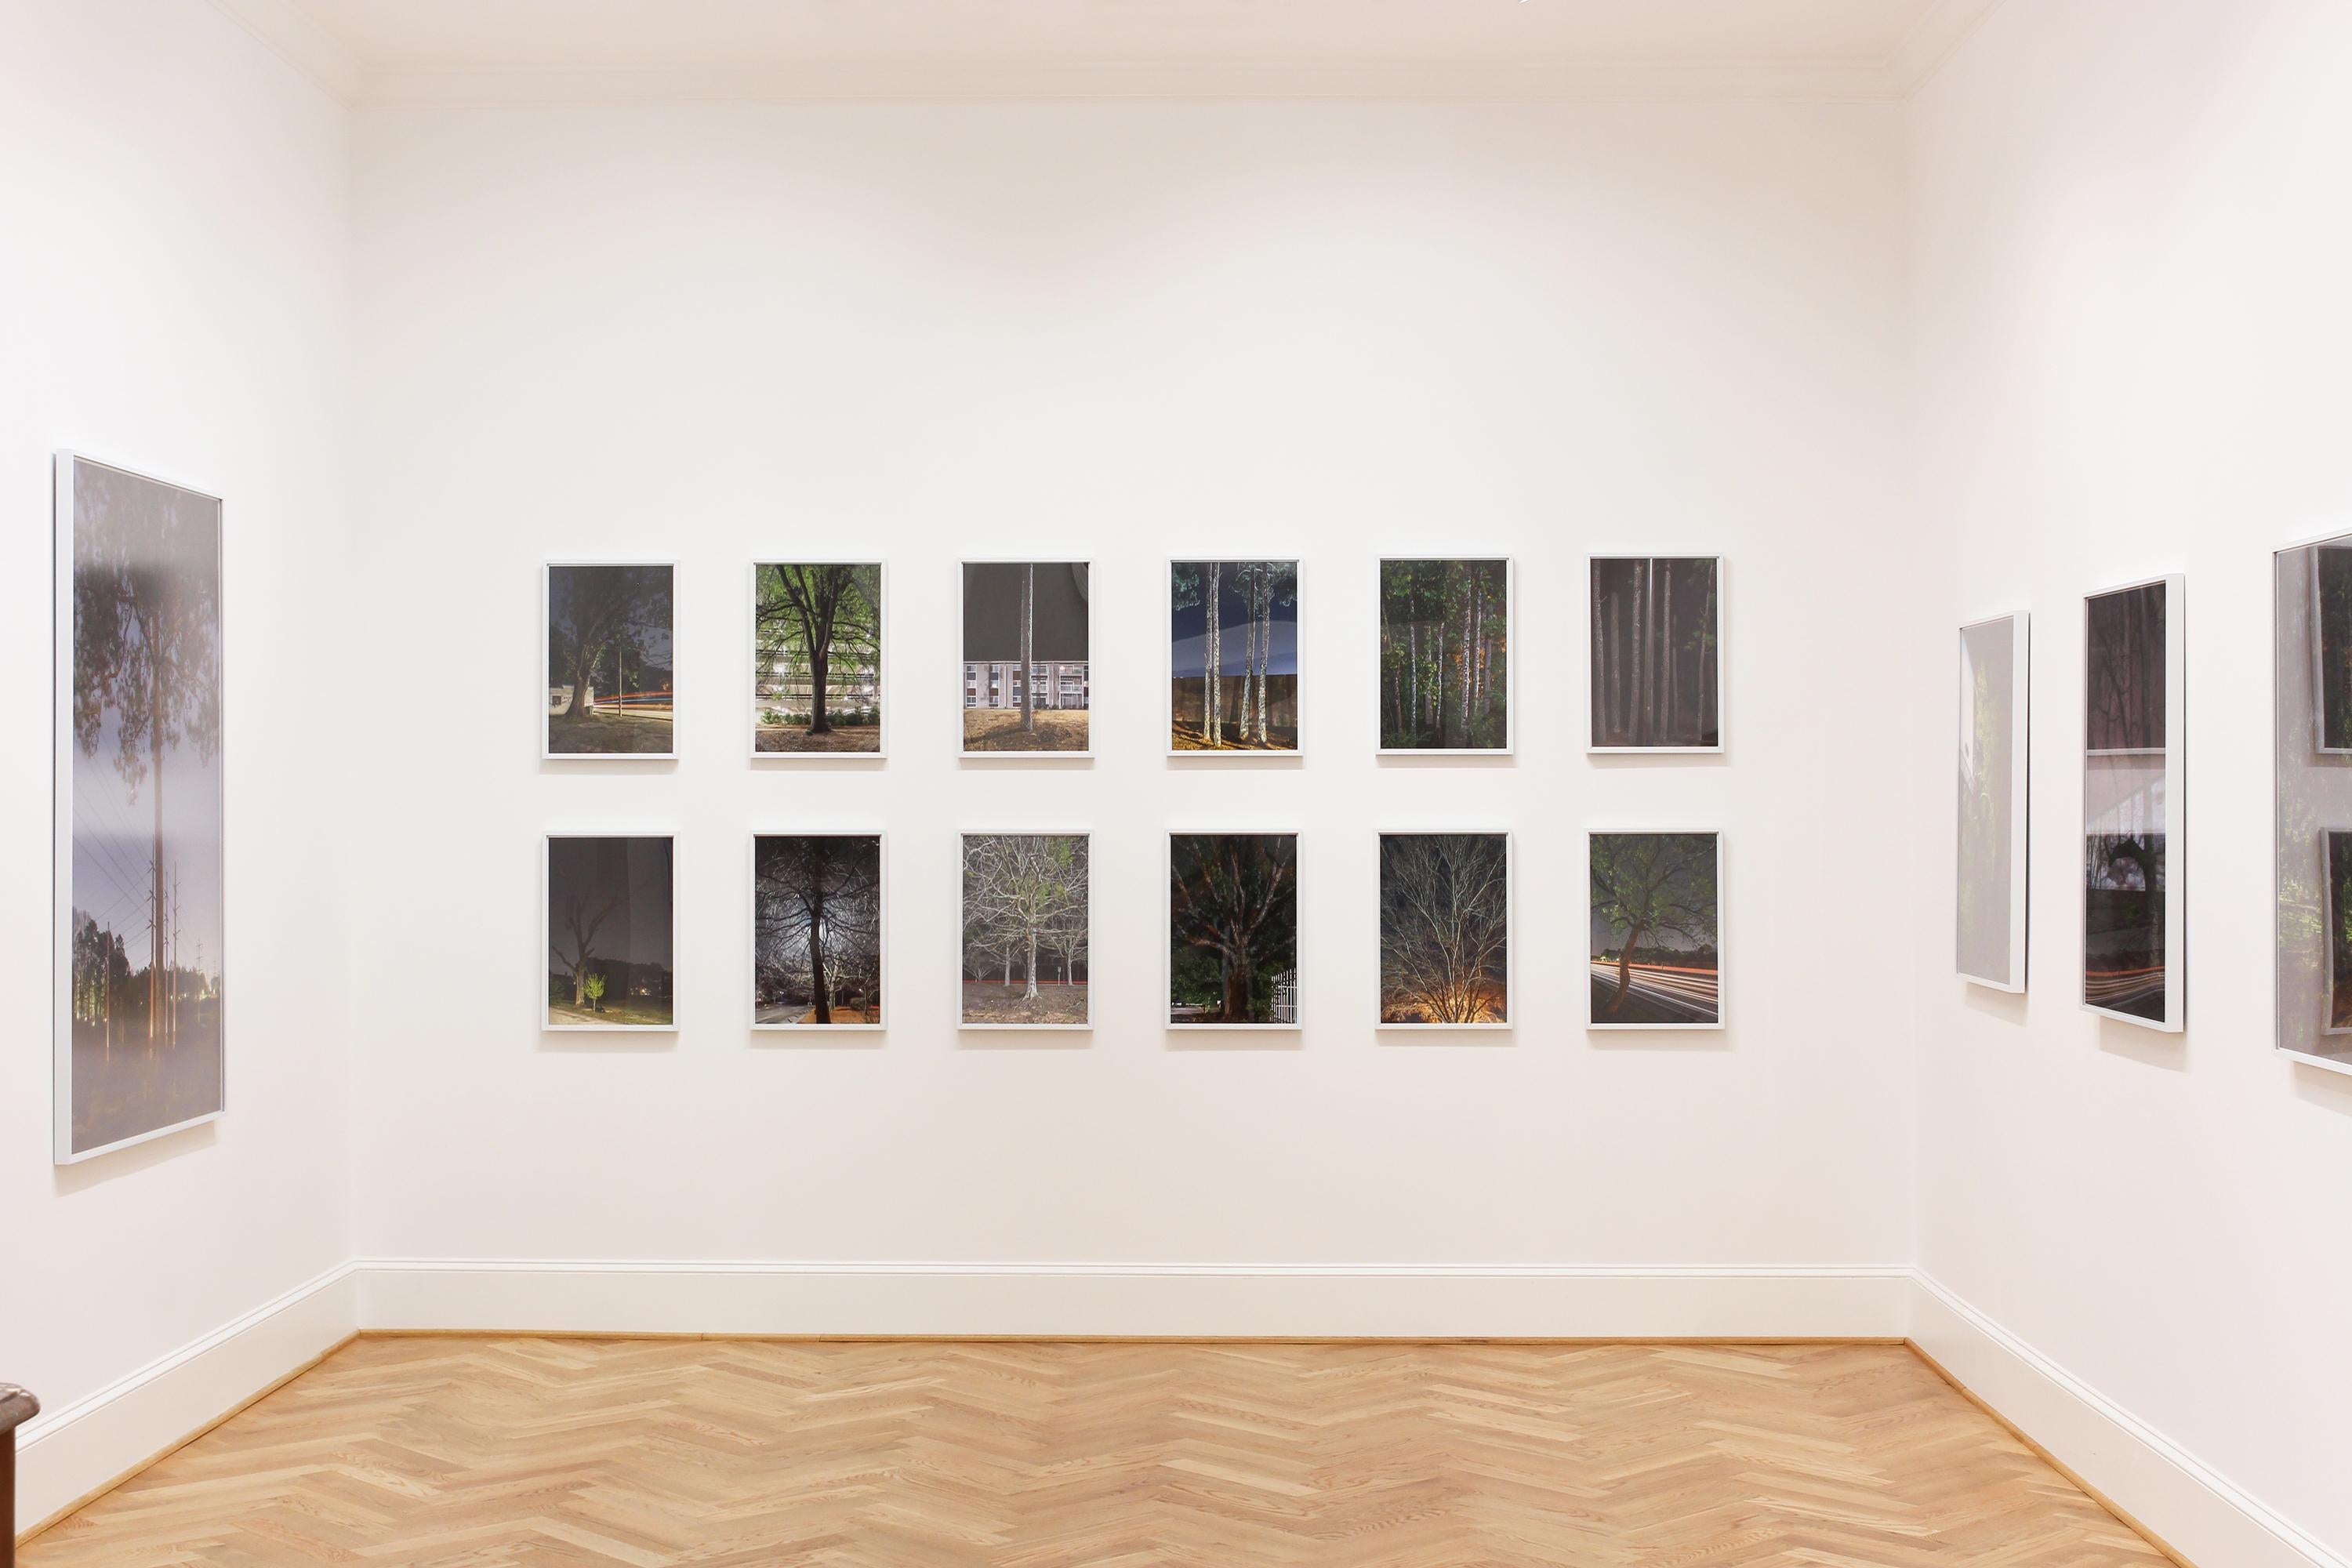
(140, 913)
(1446, 657)
(1233, 930)
(1445, 931)
(1657, 928)
(818, 915)
(2311, 779)
(1656, 636)
(1026, 682)
(1990, 890)
(816, 658)
(1025, 925)
(2135, 905)
(1240, 620)
(608, 933)
(610, 681)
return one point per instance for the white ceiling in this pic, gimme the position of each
(540, 50)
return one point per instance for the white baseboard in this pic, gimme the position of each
(1130, 1299)
(2201, 1514)
(72, 1449)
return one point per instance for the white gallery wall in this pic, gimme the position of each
(175, 297)
(1122, 331)
(2134, 356)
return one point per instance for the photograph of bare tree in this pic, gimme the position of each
(1445, 919)
(1233, 930)
(1446, 656)
(1657, 648)
(2128, 851)
(2311, 819)
(816, 930)
(816, 658)
(141, 914)
(1239, 618)
(2331, 646)
(1988, 903)
(608, 660)
(608, 932)
(1657, 925)
(1025, 678)
(1024, 931)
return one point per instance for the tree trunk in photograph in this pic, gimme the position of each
(1706, 651)
(1674, 672)
(1211, 692)
(820, 992)
(1437, 685)
(1233, 1006)
(1029, 994)
(1412, 683)
(1028, 648)
(1249, 659)
(1264, 655)
(155, 752)
(820, 663)
(1634, 733)
(1469, 604)
(1624, 970)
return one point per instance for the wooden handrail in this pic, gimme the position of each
(16, 1406)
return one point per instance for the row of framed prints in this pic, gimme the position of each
(819, 921)
(817, 644)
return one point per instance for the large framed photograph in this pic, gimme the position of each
(816, 658)
(2135, 844)
(1446, 656)
(608, 937)
(1026, 679)
(818, 919)
(2311, 763)
(610, 686)
(1656, 626)
(1233, 930)
(1233, 656)
(1657, 929)
(1025, 901)
(1989, 917)
(141, 914)
(1445, 931)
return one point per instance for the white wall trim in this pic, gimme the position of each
(2203, 1514)
(1130, 1299)
(68, 1450)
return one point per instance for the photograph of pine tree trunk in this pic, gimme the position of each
(816, 658)
(1445, 662)
(1988, 902)
(608, 932)
(816, 930)
(1657, 925)
(1240, 619)
(2127, 853)
(140, 913)
(1445, 918)
(609, 687)
(1025, 925)
(2331, 620)
(1656, 658)
(1027, 685)
(1233, 930)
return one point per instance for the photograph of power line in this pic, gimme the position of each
(816, 658)
(1233, 930)
(1446, 656)
(609, 685)
(1024, 931)
(1657, 925)
(1239, 618)
(1657, 648)
(1445, 919)
(2127, 850)
(609, 925)
(1988, 914)
(138, 875)
(816, 930)
(1025, 686)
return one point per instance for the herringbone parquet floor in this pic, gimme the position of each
(535, 1453)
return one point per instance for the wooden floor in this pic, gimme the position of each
(529, 1453)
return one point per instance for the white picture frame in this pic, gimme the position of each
(547, 753)
(964, 750)
(65, 476)
(1167, 927)
(2173, 779)
(2302, 814)
(1509, 748)
(1722, 662)
(883, 689)
(881, 920)
(547, 1024)
(1722, 1020)
(1510, 928)
(1023, 831)
(2017, 895)
(1271, 754)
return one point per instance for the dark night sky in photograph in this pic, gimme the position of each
(991, 610)
(638, 932)
(1189, 634)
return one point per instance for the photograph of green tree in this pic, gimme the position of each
(1445, 669)
(609, 684)
(1233, 930)
(816, 658)
(1657, 924)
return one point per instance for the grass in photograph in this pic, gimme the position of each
(612, 1012)
(590, 734)
(841, 739)
(990, 1002)
(999, 730)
